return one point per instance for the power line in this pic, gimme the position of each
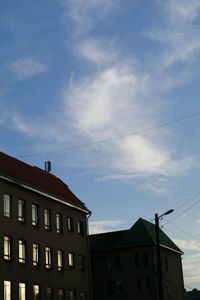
(178, 235)
(187, 201)
(114, 138)
(185, 232)
(183, 211)
(188, 242)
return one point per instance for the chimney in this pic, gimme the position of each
(48, 166)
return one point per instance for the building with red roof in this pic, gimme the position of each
(43, 232)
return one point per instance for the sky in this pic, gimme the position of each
(108, 91)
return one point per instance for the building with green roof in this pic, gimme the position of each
(124, 265)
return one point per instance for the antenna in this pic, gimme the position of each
(47, 166)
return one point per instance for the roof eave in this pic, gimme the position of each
(43, 193)
(172, 249)
(137, 245)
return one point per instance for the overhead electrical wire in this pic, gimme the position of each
(182, 230)
(187, 201)
(177, 216)
(113, 138)
(177, 234)
(188, 242)
(126, 135)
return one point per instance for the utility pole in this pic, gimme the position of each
(158, 254)
(159, 267)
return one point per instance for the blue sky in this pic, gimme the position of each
(108, 91)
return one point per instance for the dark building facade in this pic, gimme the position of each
(192, 295)
(124, 265)
(43, 236)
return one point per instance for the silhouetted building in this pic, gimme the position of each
(193, 295)
(43, 236)
(124, 265)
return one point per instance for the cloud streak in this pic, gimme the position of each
(86, 14)
(118, 95)
(25, 68)
(105, 226)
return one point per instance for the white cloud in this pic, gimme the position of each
(191, 260)
(183, 11)
(18, 123)
(118, 97)
(26, 68)
(98, 51)
(42, 128)
(191, 266)
(178, 34)
(106, 105)
(105, 226)
(86, 13)
(188, 245)
(121, 96)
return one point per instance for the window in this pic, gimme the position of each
(36, 292)
(146, 259)
(166, 263)
(61, 294)
(118, 262)
(47, 219)
(7, 205)
(58, 223)
(60, 260)
(70, 224)
(71, 259)
(80, 227)
(82, 296)
(138, 284)
(110, 288)
(7, 290)
(48, 257)
(72, 295)
(22, 291)
(82, 262)
(168, 288)
(49, 293)
(109, 264)
(22, 252)
(35, 254)
(119, 287)
(147, 283)
(7, 247)
(21, 210)
(137, 260)
(34, 215)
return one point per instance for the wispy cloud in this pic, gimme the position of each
(179, 35)
(191, 265)
(119, 95)
(191, 260)
(98, 51)
(85, 14)
(105, 226)
(25, 68)
(188, 245)
(109, 103)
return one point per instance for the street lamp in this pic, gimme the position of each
(159, 265)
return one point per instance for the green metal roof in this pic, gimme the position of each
(141, 233)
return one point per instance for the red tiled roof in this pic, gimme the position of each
(38, 179)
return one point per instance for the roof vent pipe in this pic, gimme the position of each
(48, 166)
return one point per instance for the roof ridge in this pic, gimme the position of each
(37, 178)
(109, 232)
(142, 232)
